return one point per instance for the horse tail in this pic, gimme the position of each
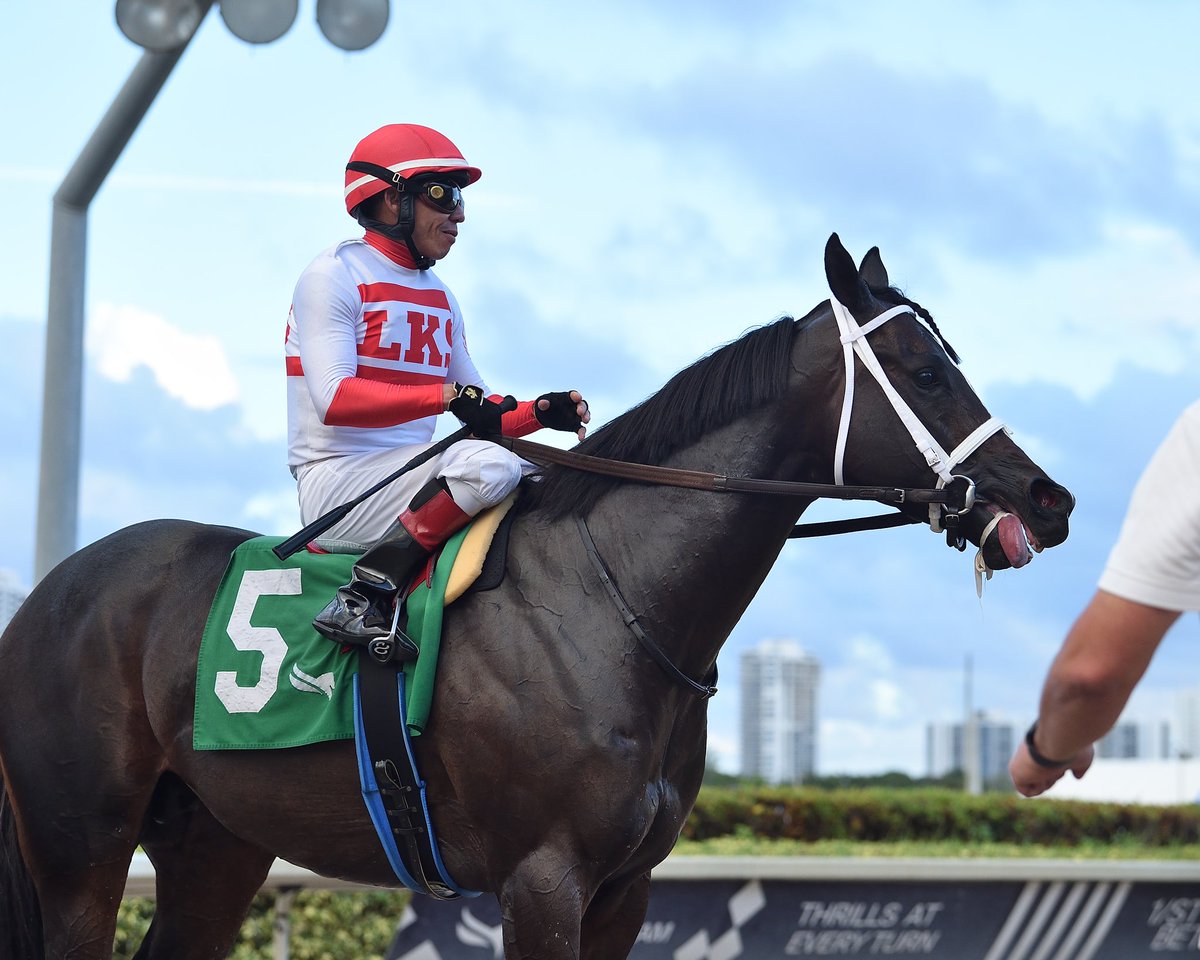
(20, 915)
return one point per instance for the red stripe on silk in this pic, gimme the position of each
(402, 377)
(397, 292)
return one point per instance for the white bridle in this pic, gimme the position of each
(854, 341)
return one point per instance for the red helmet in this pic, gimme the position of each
(407, 150)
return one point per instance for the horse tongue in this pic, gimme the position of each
(1012, 538)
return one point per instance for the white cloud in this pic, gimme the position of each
(274, 512)
(1073, 320)
(191, 368)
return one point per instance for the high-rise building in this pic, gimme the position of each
(1187, 722)
(12, 595)
(779, 712)
(945, 747)
(1129, 740)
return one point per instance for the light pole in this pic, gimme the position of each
(163, 28)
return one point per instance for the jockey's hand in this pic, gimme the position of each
(476, 411)
(563, 411)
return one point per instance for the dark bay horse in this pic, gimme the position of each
(561, 760)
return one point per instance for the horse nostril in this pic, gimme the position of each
(1050, 496)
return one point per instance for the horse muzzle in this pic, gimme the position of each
(1010, 529)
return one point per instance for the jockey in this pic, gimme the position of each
(376, 348)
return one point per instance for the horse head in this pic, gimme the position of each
(899, 367)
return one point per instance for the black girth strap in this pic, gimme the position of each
(705, 690)
(396, 772)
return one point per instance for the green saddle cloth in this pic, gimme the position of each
(266, 679)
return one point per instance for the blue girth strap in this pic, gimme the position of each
(392, 788)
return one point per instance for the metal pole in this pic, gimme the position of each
(62, 395)
(282, 928)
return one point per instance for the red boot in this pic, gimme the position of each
(364, 610)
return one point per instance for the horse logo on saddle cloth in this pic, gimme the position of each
(267, 680)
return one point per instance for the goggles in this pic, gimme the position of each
(441, 195)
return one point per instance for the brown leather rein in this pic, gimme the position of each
(957, 497)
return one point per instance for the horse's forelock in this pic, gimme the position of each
(896, 297)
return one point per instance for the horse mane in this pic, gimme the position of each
(712, 392)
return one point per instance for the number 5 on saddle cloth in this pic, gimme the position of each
(266, 680)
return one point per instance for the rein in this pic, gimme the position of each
(959, 496)
(702, 690)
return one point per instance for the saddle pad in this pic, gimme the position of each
(468, 564)
(266, 679)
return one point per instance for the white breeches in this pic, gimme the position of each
(478, 473)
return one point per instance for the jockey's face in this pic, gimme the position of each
(434, 231)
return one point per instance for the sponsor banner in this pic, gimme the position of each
(767, 919)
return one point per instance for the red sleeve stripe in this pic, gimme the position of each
(519, 422)
(366, 403)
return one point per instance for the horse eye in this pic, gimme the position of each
(926, 377)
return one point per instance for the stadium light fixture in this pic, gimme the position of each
(259, 21)
(159, 25)
(352, 24)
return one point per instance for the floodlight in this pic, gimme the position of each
(259, 21)
(159, 25)
(352, 24)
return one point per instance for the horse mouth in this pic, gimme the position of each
(1006, 539)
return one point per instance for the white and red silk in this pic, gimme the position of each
(371, 341)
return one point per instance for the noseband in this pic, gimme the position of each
(855, 342)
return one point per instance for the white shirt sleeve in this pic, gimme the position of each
(327, 306)
(1156, 559)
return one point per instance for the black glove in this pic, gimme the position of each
(562, 414)
(477, 411)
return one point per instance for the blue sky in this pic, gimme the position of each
(657, 179)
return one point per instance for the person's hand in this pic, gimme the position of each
(563, 411)
(1032, 779)
(476, 411)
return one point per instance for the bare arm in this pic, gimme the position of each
(1102, 659)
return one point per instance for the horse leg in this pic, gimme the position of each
(614, 919)
(541, 906)
(77, 851)
(20, 917)
(205, 878)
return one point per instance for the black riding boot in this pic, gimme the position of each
(363, 610)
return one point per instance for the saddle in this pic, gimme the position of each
(481, 559)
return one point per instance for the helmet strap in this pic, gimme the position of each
(403, 227)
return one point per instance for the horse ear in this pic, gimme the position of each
(844, 281)
(872, 269)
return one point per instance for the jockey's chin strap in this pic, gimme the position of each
(854, 342)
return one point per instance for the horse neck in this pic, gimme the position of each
(690, 562)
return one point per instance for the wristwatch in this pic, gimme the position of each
(1037, 757)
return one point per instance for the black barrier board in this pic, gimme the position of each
(768, 919)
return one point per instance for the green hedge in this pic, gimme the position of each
(325, 925)
(881, 815)
(332, 926)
